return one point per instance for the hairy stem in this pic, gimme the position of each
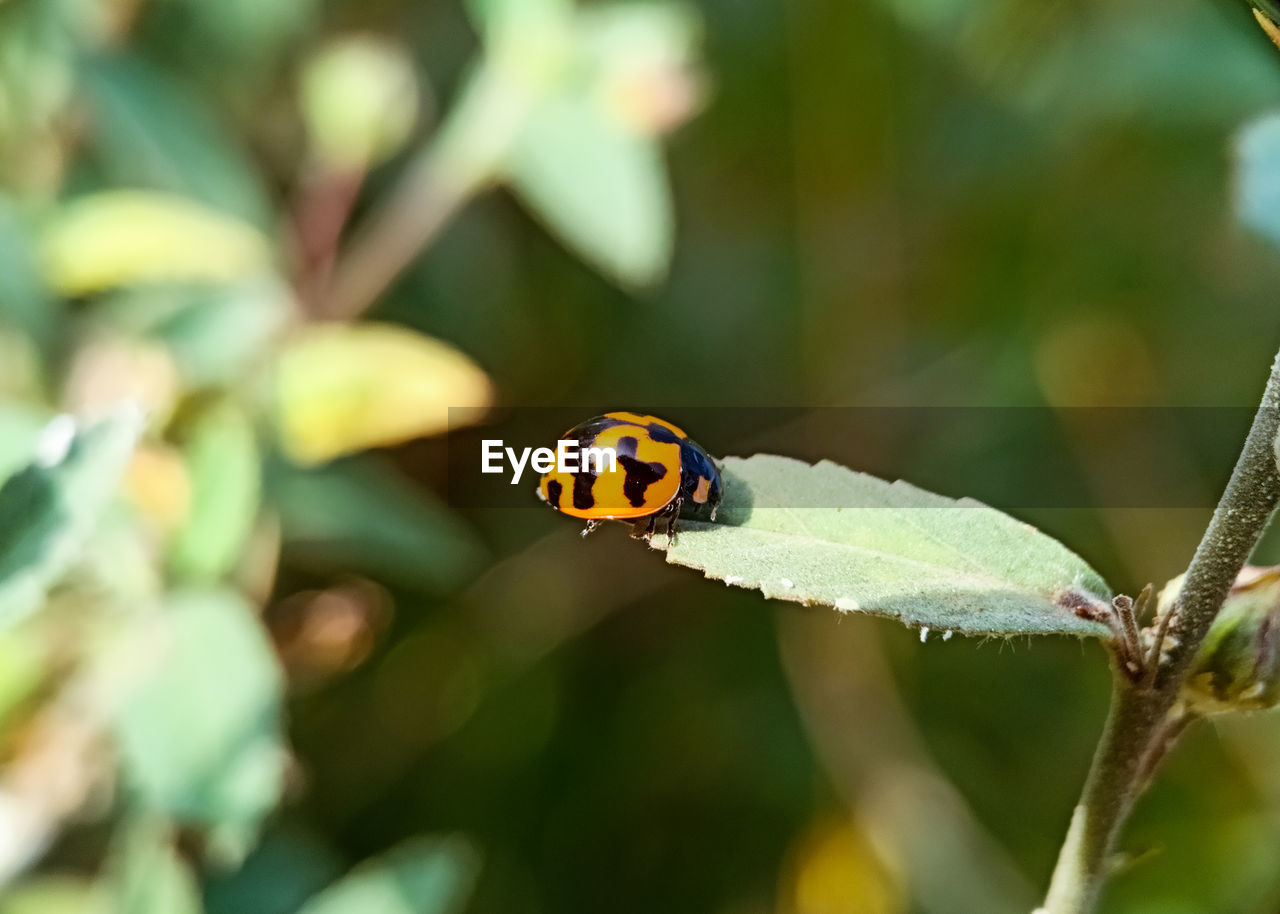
(1139, 709)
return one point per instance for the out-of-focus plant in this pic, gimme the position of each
(185, 393)
(565, 106)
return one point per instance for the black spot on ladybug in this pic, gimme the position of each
(582, 497)
(587, 433)
(640, 473)
(554, 491)
(662, 434)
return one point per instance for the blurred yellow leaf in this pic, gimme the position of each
(834, 869)
(157, 484)
(342, 388)
(55, 894)
(1094, 359)
(121, 237)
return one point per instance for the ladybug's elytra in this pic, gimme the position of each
(658, 470)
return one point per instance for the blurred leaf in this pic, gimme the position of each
(825, 534)
(146, 875)
(361, 514)
(419, 876)
(121, 569)
(37, 89)
(199, 731)
(234, 38)
(1257, 176)
(498, 18)
(20, 368)
(149, 133)
(342, 388)
(220, 450)
(49, 509)
(22, 671)
(55, 895)
(24, 301)
(599, 185)
(1176, 60)
(359, 97)
(286, 868)
(118, 237)
(646, 55)
(20, 428)
(158, 485)
(569, 118)
(834, 867)
(217, 333)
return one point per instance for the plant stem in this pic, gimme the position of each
(1139, 709)
(408, 222)
(464, 158)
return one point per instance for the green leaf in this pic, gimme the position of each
(49, 509)
(420, 876)
(199, 726)
(359, 513)
(1257, 177)
(825, 534)
(501, 18)
(218, 334)
(20, 428)
(288, 866)
(25, 302)
(599, 185)
(148, 133)
(145, 875)
(220, 450)
(238, 42)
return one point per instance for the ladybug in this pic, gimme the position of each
(658, 470)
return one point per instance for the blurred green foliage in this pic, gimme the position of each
(280, 658)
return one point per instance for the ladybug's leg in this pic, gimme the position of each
(590, 527)
(643, 528)
(673, 514)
